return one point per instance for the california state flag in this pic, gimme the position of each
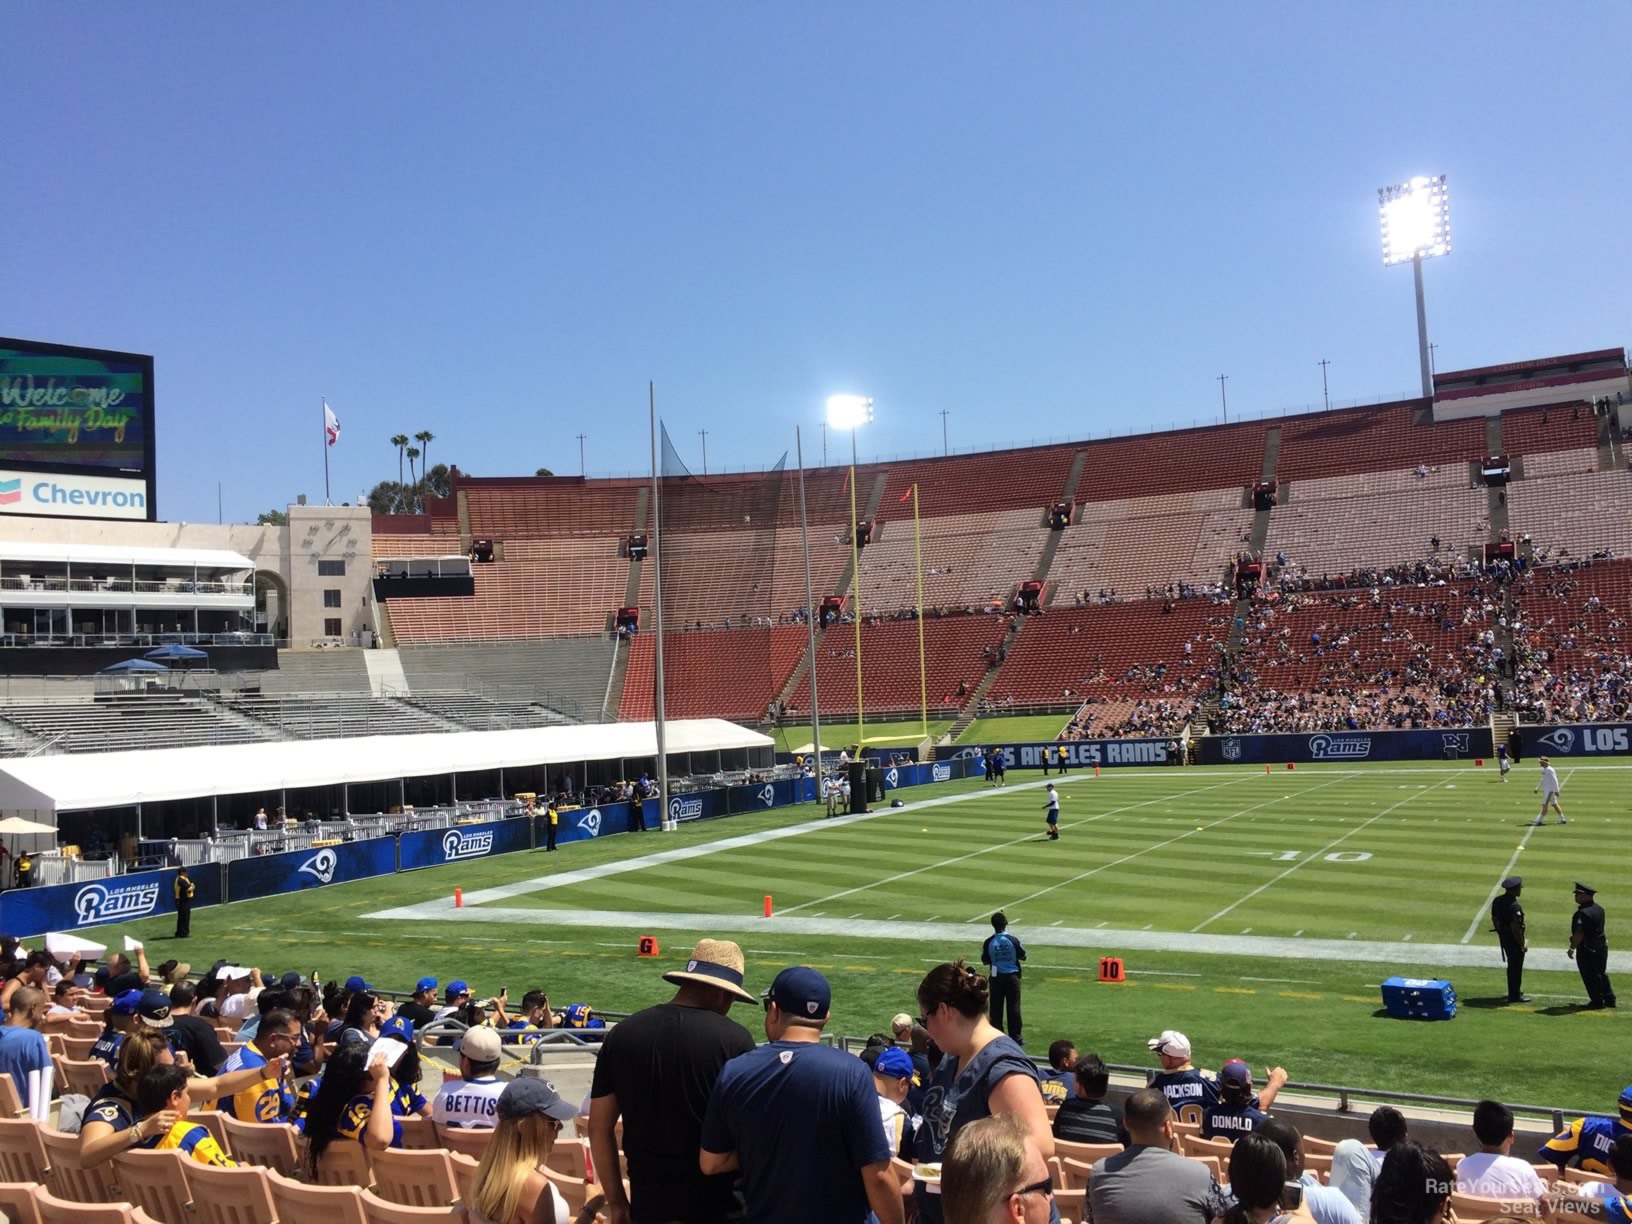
(331, 424)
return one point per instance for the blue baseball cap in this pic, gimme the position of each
(355, 983)
(1626, 1100)
(399, 1027)
(801, 993)
(895, 1063)
(127, 1003)
(455, 989)
(289, 980)
(424, 984)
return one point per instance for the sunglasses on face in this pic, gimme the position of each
(1046, 1186)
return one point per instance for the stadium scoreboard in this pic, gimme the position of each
(76, 432)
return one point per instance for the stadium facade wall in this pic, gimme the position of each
(1457, 744)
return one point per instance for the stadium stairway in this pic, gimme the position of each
(1073, 478)
(1496, 498)
(620, 667)
(262, 729)
(800, 669)
(971, 708)
(1607, 457)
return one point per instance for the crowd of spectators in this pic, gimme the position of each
(1572, 648)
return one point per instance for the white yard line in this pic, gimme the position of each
(1032, 836)
(1128, 858)
(1480, 913)
(1315, 857)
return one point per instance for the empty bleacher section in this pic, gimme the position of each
(1397, 656)
(1572, 643)
(482, 713)
(565, 675)
(719, 673)
(1574, 514)
(1152, 541)
(121, 726)
(1378, 520)
(889, 657)
(1556, 427)
(317, 671)
(540, 507)
(969, 560)
(1001, 480)
(1124, 659)
(334, 715)
(1374, 439)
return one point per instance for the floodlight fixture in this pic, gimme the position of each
(849, 411)
(1416, 219)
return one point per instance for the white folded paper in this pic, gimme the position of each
(132, 945)
(387, 1050)
(231, 973)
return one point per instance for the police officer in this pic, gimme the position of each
(1507, 920)
(1589, 948)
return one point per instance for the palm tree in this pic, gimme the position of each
(425, 437)
(399, 441)
(413, 453)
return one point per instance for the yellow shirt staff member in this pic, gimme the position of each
(184, 891)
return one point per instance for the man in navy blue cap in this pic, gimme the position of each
(657, 1070)
(801, 1120)
(121, 1018)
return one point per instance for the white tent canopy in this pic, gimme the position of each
(13, 551)
(83, 781)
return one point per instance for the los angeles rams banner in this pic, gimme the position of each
(68, 907)
(1347, 747)
(1083, 754)
(1581, 739)
(269, 874)
(439, 847)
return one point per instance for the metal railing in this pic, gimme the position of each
(141, 640)
(128, 586)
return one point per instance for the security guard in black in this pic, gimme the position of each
(1589, 947)
(1507, 919)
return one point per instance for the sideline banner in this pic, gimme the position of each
(436, 847)
(1082, 754)
(1348, 746)
(267, 875)
(1577, 739)
(68, 907)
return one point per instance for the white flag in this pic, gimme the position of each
(331, 424)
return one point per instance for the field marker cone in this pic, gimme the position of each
(1478, 762)
(1266, 767)
(458, 898)
(1096, 769)
(767, 906)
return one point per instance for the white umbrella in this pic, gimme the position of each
(17, 825)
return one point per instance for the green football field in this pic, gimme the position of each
(1256, 913)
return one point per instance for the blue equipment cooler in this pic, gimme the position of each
(1419, 998)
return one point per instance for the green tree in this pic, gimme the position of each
(272, 518)
(543, 472)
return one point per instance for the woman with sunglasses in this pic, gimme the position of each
(982, 1073)
(509, 1187)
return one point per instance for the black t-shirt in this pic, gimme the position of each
(661, 1064)
(418, 1013)
(125, 981)
(198, 1038)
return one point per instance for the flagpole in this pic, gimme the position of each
(323, 409)
(918, 551)
(855, 596)
(657, 623)
(810, 619)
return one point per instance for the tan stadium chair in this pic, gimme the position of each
(344, 1163)
(82, 1029)
(153, 1181)
(271, 1145)
(332, 1204)
(214, 1121)
(77, 1047)
(68, 1177)
(229, 1196)
(414, 1178)
(1074, 1173)
(571, 1156)
(54, 1210)
(1195, 1145)
(11, 1105)
(1318, 1163)
(1088, 1153)
(471, 1140)
(1318, 1147)
(1478, 1207)
(1181, 1129)
(225, 1033)
(82, 1075)
(1051, 1110)
(1453, 1159)
(1215, 1166)
(1579, 1177)
(22, 1155)
(418, 1133)
(95, 1003)
(377, 1210)
(1072, 1204)
(19, 1202)
(464, 1175)
(54, 1046)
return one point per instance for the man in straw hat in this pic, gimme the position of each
(657, 1070)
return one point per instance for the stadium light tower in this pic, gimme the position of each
(1416, 221)
(852, 412)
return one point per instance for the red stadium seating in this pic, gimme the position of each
(889, 657)
(1373, 439)
(725, 673)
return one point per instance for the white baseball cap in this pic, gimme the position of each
(1172, 1043)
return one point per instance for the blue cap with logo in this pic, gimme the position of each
(424, 984)
(801, 993)
(354, 983)
(127, 1003)
(455, 989)
(895, 1063)
(399, 1027)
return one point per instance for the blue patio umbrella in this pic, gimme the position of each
(135, 665)
(175, 651)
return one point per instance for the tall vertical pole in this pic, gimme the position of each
(657, 620)
(1222, 398)
(582, 469)
(704, 435)
(824, 444)
(918, 554)
(1324, 393)
(855, 594)
(945, 449)
(810, 618)
(323, 434)
(1422, 333)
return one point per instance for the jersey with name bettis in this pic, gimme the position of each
(472, 1102)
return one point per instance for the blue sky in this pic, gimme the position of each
(497, 222)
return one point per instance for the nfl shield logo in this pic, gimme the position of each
(1232, 749)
